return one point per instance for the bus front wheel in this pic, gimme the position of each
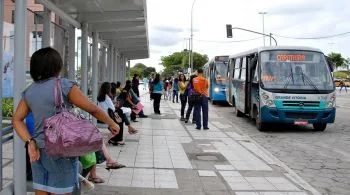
(319, 126)
(238, 113)
(259, 125)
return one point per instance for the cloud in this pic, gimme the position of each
(171, 29)
(295, 8)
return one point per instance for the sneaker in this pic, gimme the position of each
(186, 121)
(206, 128)
(193, 122)
(182, 119)
(198, 128)
(87, 185)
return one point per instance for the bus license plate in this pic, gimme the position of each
(301, 122)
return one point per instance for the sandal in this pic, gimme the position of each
(132, 130)
(114, 165)
(96, 179)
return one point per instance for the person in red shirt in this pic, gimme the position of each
(200, 85)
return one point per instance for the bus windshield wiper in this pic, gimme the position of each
(310, 82)
(290, 77)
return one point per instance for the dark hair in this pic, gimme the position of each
(45, 63)
(118, 84)
(157, 79)
(181, 79)
(105, 89)
(191, 80)
(127, 86)
(200, 71)
(113, 90)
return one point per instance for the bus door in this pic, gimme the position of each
(229, 80)
(242, 93)
(251, 85)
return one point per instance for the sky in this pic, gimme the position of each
(169, 23)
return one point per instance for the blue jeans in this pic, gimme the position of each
(175, 94)
(197, 110)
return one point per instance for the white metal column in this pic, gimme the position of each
(71, 52)
(128, 68)
(46, 42)
(1, 68)
(112, 65)
(102, 66)
(94, 66)
(84, 58)
(109, 62)
(121, 68)
(115, 68)
(118, 69)
(19, 171)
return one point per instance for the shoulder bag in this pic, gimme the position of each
(68, 135)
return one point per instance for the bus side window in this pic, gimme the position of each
(237, 68)
(255, 79)
(243, 69)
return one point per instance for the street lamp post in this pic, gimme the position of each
(263, 22)
(191, 45)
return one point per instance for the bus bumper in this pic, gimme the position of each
(219, 96)
(278, 115)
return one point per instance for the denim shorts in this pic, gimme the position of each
(55, 175)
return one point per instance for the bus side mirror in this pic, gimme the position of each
(229, 30)
(330, 63)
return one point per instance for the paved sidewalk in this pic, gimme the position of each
(170, 157)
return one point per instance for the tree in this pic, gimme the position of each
(337, 59)
(178, 61)
(148, 71)
(142, 70)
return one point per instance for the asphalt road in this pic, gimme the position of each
(321, 158)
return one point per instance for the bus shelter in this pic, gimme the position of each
(96, 39)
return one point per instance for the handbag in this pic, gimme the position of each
(68, 135)
(115, 116)
(196, 98)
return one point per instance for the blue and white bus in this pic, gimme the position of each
(282, 85)
(215, 72)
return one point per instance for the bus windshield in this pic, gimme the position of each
(295, 70)
(221, 68)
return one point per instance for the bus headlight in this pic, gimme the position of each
(331, 102)
(269, 103)
(216, 89)
(266, 100)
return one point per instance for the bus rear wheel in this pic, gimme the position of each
(320, 126)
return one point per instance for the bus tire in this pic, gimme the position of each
(320, 126)
(213, 102)
(238, 113)
(259, 125)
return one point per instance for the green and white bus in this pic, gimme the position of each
(282, 85)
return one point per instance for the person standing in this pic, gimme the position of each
(145, 83)
(135, 84)
(342, 84)
(183, 96)
(176, 90)
(58, 175)
(157, 93)
(190, 91)
(200, 84)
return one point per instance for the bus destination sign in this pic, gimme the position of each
(290, 57)
(221, 58)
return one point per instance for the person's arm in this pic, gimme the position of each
(77, 98)
(22, 131)
(18, 120)
(128, 98)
